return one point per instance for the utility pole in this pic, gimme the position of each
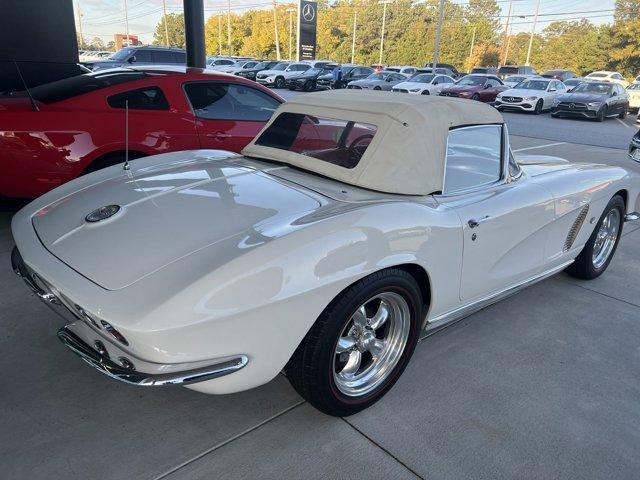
(229, 26)
(126, 22)
(290, 12)
(219, 15)
(505, 41)
(166, 26)
(384, 21)
(473, 42)
(275, 25)
(436, 49)
(80, 24)
(533, 31)
(353, 37)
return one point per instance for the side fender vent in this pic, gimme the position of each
(575, 228)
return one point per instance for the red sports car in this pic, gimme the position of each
(483, 88)
(60, 130)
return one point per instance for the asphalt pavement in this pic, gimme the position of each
(543, 385)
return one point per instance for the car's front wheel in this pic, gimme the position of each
(279, 83)
(360, 344)
(538, 107)
(623, 114)
(601, 246)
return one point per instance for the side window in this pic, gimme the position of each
(229, 101)
(440, 79)
(142, 56)
(148, 98)
(473, 157)
(303, 68)
(493, 83)
(616, 76)
(179, 57)
(160, 56)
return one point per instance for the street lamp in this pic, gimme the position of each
(384, 20)
(290, 12)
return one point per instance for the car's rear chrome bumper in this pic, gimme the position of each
(105, 365)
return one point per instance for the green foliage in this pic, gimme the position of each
(410, 35)
(175, 29)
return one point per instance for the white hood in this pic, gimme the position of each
(411, 85)
(522, 92)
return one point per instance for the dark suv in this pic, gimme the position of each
(349, 73)
(141, 56)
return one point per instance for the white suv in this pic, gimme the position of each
(605, 76)
(278, 74)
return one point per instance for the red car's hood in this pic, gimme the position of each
(464, 88)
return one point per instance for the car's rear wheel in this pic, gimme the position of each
(377, 88)
(601, 246)
(426, 92)
(538, 108)
(475, 97)
(279, 83)
(360, 344)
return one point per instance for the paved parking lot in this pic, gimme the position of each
(543, 385)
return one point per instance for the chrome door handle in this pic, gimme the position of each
(473, 223)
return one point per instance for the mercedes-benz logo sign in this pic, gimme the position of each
(102, 213)
(308, 12)
(572, 105)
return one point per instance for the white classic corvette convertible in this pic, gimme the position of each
(353, 221)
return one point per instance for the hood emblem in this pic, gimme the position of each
(102, 213)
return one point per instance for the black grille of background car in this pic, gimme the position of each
(572, 106)
(358, 87)
(262, 75)
(448, 94)
(511, 99)
(400, 90)
(324, 83)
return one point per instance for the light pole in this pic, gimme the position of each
(166, 26)
(229, 26)
(80, 24)
(384, 21)
(275, 26)
(473, 41)
(126, 22)
(353, 38)
(290, 12)
(219, 15)
(533, 31)
(506, 33)
(436, 49)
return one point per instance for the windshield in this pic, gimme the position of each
(422, 78)
(378, 76)
(281, 66)
(533, 85)
(597, 75)
(514, 79)
(634, 86)
(572, 81)
(262, 65)
(121, 54)
(472, 80)
(239, 63)
(332, 140)
(593, 88)
(503, 70)
(312, 71)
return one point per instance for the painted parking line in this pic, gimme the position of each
(540, 146)
(623, 123)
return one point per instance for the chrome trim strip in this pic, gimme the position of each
(449, 318)
(630, 217)
(106, 366)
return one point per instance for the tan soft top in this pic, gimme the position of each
(407, 153)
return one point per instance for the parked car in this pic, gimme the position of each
(573, 82)
(448, 66)
(606, 76)
(306, 255)
(485, 70)
(483, 88)
(384, 80)
(307, 80)
(237, 67)
(349, 74)
(439, 71)
(213, 62)
(147, 55)
(251, 73)
(514, 80)
(535, 94)
(407, 70)
(559, 74)
(633, 91)
(424, 84)
(320, 63)
(277, 76)
(634, 147)
(77, 125)
(596, 100)
(378, 67)
(508, 70)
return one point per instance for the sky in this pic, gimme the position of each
(103, 18)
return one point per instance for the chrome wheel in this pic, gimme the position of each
(606, 237)
(371, 344)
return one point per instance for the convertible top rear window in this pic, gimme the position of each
(340, 142)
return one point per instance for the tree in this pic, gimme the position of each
(175, 29)
(627, 10)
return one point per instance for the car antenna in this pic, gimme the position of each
(34, 106)
(126, 165)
